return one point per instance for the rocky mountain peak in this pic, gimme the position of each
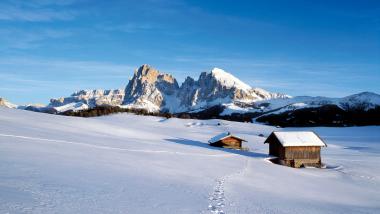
(218, 87)
(146, 73)
(188, 81)
(153, 90)
(148, 88)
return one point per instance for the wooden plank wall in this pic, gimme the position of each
(303, 152)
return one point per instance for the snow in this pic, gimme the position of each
(202, 105)
(126, 163)
(298, 138)
(277, 106)
(229, 80)
(172, 103)
(231, 108)
(299, 105)
(371, 99)
(144, 104)
(222, 136)
(72, 106)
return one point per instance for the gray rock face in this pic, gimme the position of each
(151, 89)
(188, 92)
(155, 91)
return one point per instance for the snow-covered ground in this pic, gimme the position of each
(137, 164)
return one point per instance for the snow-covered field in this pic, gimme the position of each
(136, 164)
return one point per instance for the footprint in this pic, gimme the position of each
(217, 198)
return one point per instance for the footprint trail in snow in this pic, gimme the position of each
(217, 199)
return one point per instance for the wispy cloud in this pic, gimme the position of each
(36, 11)
(51, 2)
(128, 27)
(57, 67)
(14, 89)
(21, 39)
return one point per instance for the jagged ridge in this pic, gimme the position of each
(154, 91)
(157, 91)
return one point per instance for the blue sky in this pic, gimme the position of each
(51, 48)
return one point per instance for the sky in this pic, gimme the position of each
(52, 48)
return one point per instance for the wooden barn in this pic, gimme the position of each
(296, 149)
(227, 140)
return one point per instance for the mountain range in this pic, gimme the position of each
(215, 94)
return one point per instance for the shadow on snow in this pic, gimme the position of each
(207, 146)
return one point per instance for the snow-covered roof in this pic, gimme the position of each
(222, 136)
(301, 138)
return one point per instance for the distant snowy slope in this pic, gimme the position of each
(365, 101)
(91, 98)
(138, 164)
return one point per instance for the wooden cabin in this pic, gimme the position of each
(296, 149)
(227, 140)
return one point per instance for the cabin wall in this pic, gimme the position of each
(299, 156)
(303, 152)
(275, 148)
(231, 142)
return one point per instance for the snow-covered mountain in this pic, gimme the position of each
(362, 101)
(85, 99)
(219, 87)
(155, 91)
(358, 109)
(218, 94)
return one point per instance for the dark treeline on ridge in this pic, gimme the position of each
(328, 115)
